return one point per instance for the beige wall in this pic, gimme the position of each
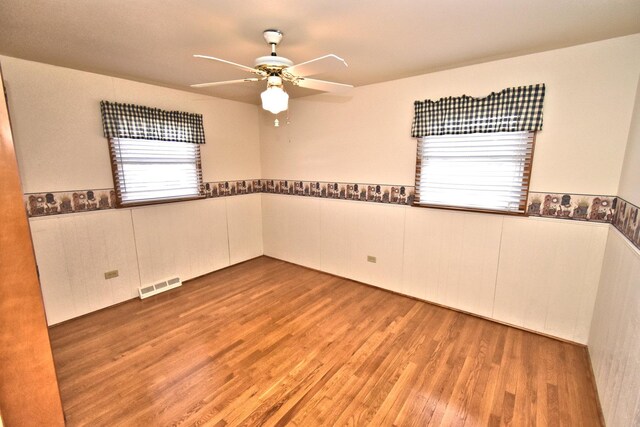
(536, 273)
(145, 245)
(539, 274)
(614, 339)
(58, 134)
(365, 136)
(56, 120)
(630, 177)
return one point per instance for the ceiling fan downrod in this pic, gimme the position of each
(273, 38)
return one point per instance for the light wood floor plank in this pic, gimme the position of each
(271, 343)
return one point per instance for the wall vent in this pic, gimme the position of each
(161, 286)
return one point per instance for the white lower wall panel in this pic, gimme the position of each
(187, 239)
(292, 228)
(451, 258)
(335, 239)
(614, 340)
(540, 274)
(548, 275)
(244, 218)
(352, 231)
(73, 253)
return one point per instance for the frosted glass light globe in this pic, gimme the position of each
(274, 99)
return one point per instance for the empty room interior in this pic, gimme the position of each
(320, 213)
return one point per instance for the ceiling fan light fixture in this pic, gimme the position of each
(278, 69)
(275, 99)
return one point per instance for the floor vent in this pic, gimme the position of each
(162, 286)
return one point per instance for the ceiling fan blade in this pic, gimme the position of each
(324, 64)
(323, 85)
(224, 61)
(228, 82)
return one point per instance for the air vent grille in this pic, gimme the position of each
(162, 286)
(147, 289)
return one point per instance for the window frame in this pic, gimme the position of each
(116, 179)
(523, 204)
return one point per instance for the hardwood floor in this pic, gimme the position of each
(267, 342)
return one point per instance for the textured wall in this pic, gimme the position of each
(630, 177)
(537, 273)
(58, 131)
(364, 136)
(614, 341)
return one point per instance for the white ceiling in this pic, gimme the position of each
(153, 41)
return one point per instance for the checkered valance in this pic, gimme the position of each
(511, 110)
(138, 122)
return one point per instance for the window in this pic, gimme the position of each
(147, 171)
(482, 171)
(155, 154)
(476, 153)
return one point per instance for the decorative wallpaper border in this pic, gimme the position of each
(581, 207)
(627, 221)
(364, 192)
(65, 202)
(584, 207)
(231, 188)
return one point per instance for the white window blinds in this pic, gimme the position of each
(485, 171)
(147, 171)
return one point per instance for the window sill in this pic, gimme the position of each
(464, 209)
(120, 205)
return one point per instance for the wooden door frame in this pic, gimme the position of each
(29, 391)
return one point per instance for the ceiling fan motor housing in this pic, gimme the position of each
(272, 63)
(273, 37)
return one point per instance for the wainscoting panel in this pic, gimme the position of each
(187, 238)
(244, 217)
(73, 253)
(614, 341)
(292, 229)
(335, 239)
(350, 232)
(548, 275)
(537, 273)
(56, 287)
(451, 258)
(144, 244)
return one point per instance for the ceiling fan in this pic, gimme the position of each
(278, 69)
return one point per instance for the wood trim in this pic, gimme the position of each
(459, 208)
(439, 305)
(114, 172)
(527, 174)
(120, 205)
(416, 190)
(29, 391)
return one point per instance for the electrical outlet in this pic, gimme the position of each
(371, 259)
(111, 274)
